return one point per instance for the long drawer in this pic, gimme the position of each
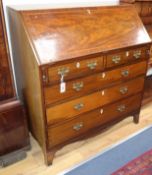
(75, 69)
(86, 103)
(92, 83)
(124, 57)
(61, 133)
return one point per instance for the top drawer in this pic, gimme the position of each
(119, 58)
(72, 70)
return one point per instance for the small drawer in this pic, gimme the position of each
(72, 70)
(124, 57)
(70, 129)
(78, 106)
(92, 83)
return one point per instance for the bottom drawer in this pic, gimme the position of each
(70, 129)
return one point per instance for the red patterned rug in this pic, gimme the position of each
(142, 165)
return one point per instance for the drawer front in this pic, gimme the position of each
(126, 56)
(72, 70)
(86, 103)
(59, 134)
(92, 83)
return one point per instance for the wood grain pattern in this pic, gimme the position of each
(58, 46)
(100, 116)
(80, 151)
(13, 127)
(126, 56)
(79, 68)
(52, 94)
(31, 77)
(55, 39)
(14, 134)
(67, 110)
(144, 9)
(75, 69)
(6, 84)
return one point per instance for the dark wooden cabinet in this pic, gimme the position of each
(6, 83)
(13, 126)
(84, 69)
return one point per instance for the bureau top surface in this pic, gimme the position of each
(61, 34)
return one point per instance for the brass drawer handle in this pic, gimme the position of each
(78, 86)
(137, 54)
(92, 65)
(78, 126)
(125, 73)
(121, 108)
(63, 71)
(123, 90)
(116, 59)
(79, 106)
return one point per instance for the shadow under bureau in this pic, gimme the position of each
(83, 69)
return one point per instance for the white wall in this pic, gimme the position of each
(51, 4)
(61, 2)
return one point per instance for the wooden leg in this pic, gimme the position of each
(136, 118)
(49, 157)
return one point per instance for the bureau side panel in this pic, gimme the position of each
(29, 78)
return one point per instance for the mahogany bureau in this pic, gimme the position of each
(14, 138)
(83, 69)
